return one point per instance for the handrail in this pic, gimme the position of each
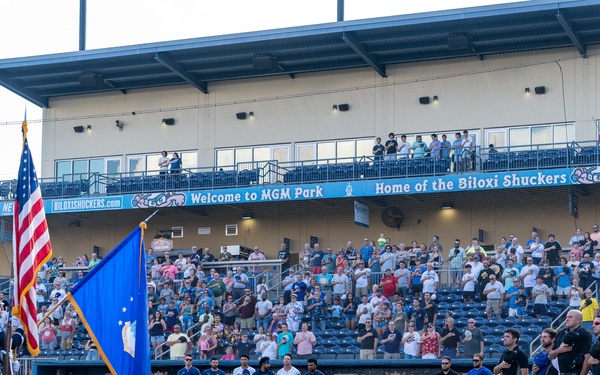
(556, 320)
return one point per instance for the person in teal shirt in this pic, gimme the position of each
(419, 148)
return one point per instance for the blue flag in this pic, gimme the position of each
(112, 301)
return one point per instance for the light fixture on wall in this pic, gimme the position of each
(251, 114)
(168, 121)
(89, 128)
(540, 90)
(526, 90)
(248, 216)
(78, 129)
(424, 100)
(119, 124)
(447, 205)
(241, 115)
(335, 107)
(435, 98)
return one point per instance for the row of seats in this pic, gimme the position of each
(541, 158)
(50, 189)
(183, 181)
(383, 168)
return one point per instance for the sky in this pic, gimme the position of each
(39, 27)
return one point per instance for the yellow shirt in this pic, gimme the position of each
(589, 312)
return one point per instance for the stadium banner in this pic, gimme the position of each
(342, 189)
(361, 214)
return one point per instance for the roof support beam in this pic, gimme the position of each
(571, 33)
(350, 40)
(165, 60)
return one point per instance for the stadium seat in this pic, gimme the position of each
(329, 356)
(345, 356)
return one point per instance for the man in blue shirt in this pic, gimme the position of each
(563, 275)
(478, 368)
(511, 295)
(446, 146)
(299, 288)
(417, 271)
(214, 368)
(188, 369)
(391, 340)
(417, 314)
(366, 251)
(316, 258)
(312, 367)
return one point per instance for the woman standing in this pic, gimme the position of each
(175, 163)
(349, 310)
(157, 328)
(187, 310)
(268, 348)
(48, 332)
(229, 313)
(67, 329)
(430, 343)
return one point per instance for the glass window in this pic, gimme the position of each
(325, 150)
(364, 147)
(541, 135)
(225, 157)
(305, 152)
(262, 153)
(345, 149)
(281, 154)
(63, 167)
(189, 160)
(136, 166)
(519, 137)
(564, 133)
(152, 163)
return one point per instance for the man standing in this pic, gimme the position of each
(214, 368)
(512, 294)
(240, 281)
(430, 279)
(494, 291)
(473, 340)
(391, 340)
(466, 146)
(431, 308)
(361, 277)
(339, 282)
(563, 275)
(284, 256)
(510, 273)
(288, 369)
(589, 310)
(254, 256)
(316, 259)
(329, 260)
(179, 342)
(529, 275)
(446, 370)
(188, 369)
(368, 341)
(389, 284)
(365, 251)
(304, 341)
(387, 259)
(247, 309)
(592, 360)
(287, 285)
(541, 363)
(262, 311)
(264, 367)
(456, 256)
(478, 368)
(364, 311)
(572, 343)
(244, 366)
(378, 149)
(595, 235)
(514, 357)
(540, 294)
(412, 342)
(312, 367)
(299, 288)
(391, 147)
(402, 274)
(218, 289)
(284, 342)
(450, 338)
(551, 250)
(417, 315)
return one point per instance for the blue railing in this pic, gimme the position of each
(562, 155)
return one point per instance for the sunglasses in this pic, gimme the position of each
(596, 323)
(445, 363)
(188, 360)
(475, 361)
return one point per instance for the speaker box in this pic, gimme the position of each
(424, 100)
(241, 115)
(460, 43)
(168, 121)
(89, 79)
(540, 90)
(78, 129)
(262, 62)
(344, 107)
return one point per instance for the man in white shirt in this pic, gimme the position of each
(364, 311)
(339, 281)
(577, 237)
(494, 291)
(40, 291)
(244, 366)
(361, 276)
(430, 279)
(529, 274)
(288, 369)
(403, 147)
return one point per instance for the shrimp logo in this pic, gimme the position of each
(586, 176)
(128, 337)
(154, 200)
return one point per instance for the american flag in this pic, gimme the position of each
(31, 244)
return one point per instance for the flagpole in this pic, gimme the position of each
(49, 312)
(7, 363)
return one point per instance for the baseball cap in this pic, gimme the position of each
(476, 257)
(245, 371)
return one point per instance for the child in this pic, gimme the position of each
(336, 310)
(522, 302)
(228, 356)
(244, 346)
(203, 345)
(381, 241)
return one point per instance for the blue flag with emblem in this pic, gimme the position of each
(112, 301)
